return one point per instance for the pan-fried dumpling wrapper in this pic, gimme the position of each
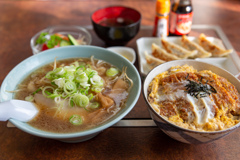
(210, 47)
(192, 46)
(162, 54)
(152, 60)
(176, 49)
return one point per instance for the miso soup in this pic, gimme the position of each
(75, 94)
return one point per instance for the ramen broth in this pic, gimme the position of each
(56, 113)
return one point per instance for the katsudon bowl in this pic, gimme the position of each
(177, 132)
(26, 67)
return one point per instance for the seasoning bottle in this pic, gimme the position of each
(181, 18)
(161, 25)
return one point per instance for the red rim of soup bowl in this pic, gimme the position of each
(116, 12)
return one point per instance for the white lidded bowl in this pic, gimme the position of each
(177, 132)
(22, 70)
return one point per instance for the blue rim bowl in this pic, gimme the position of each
(23, 69)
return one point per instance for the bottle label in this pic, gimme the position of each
(162, 27)
(180, 23)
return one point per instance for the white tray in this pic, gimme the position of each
(231, 63)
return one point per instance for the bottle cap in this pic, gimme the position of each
(163, 6)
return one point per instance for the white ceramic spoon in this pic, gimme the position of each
(17, 109)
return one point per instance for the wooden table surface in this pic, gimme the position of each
(21, 19)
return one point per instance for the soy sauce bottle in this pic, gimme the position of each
(181, 18)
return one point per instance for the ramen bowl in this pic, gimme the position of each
(175, 131)
(116, 25)
(23, 69)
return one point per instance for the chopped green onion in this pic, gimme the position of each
(45, 92)
(29, 98)
(54, 96)
(97, 89)
(58, 91)
(59, 71)
(94, 105)
(84, 91)
(85, 85)
(73, 83)
(51, 95)
(48, 93)
(53, 83)
(96, 80)
(70, 68)
(69, 76)
(90, 73)
(55, 74)
(59, 82)
(81, 67)
(76, 119)
(70, 87)
(111, 72)
(71, 102)
(76, 64)
(39, 89)
(90, 96)
(81, 100)
(81, 76)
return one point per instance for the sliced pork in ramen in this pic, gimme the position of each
(104, 100)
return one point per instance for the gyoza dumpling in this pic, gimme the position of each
(152, 60)
(162, 54)
(177, 50)
(210, 47)
(192, 46)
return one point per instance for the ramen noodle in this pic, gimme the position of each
(196, 100)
